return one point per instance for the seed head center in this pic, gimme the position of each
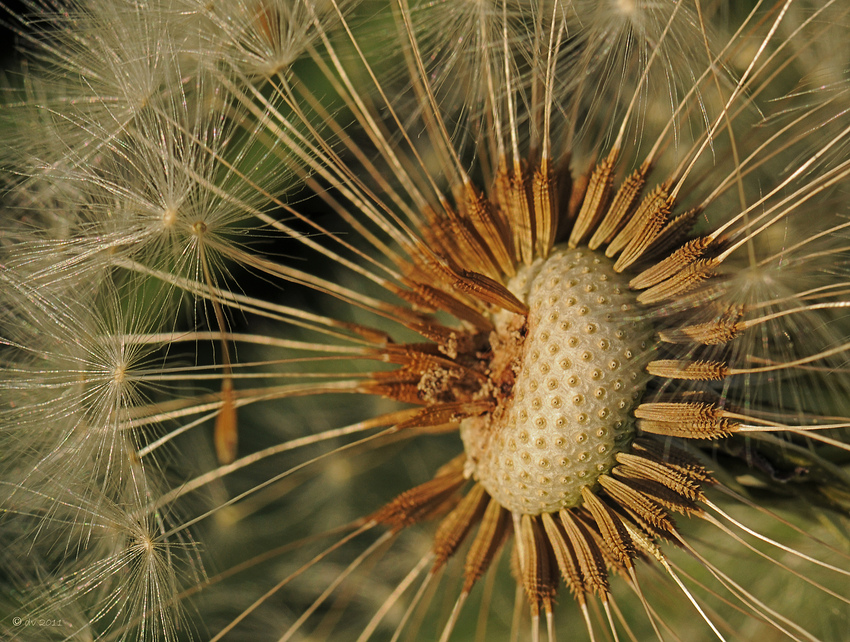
(576, 366)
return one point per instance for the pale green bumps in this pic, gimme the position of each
(579, 372)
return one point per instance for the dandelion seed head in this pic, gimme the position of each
(262, 37)
(566, 279)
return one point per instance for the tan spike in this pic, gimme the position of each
(489, 291)
(648, 235)
(450, 341)
(611, 528)
(674, 233)
(683, 281)
(672, 457)
(474, 251)
(566, 558)
(370, 334)
(404, 391)
(491, 229)
(592, 530)
(457, 524)
(633, 465)
(633, 518)
(646, 217)
(660, 493)
(590, 559)
(688, 370)
(676, 262)
(621, 207)
(512, 187)
(694, 420)
(445, 413)
(637, 503)
(502, 190)
(545, 203)
(688, 430)
(437, 234)
(538, 580)
(399, 375)
(679, 411)
(494, 530)
(436, 299)
(423, 501)
(722, 330)
(644, 541)
(461, 242)
(596, 198)
(419, 357)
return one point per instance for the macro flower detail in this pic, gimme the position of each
(340, 319)
(575, 380)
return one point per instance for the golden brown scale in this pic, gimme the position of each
(457, 524)
(693, 430)
(688, 370)
(612, 563)
(405, 392)
(672, 235)
(636, 503)
(657, 492)
(416, 356)
(370, 334)
(595, 200)
(688, 412)
(723, 330)
(489, 291)
(640, 467)
(397, 376)
(575, 199)
(621, 207)
(225, 433)
(449, 341)
(565, 557)
(590, 559)
(654, 222)
(671, 265)
(435, 299)
(502, 193)
(644, 219)
(492, 533)
(443, 413)
(472, 249)
(512, 198)
(682, 282)
(438, 233)
(544, 198)
(520, 212)
(492, 230)
(537, 576)
(423, 501)
(420, 360)
(674, 458)
(610, 528)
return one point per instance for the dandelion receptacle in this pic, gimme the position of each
(447, 320)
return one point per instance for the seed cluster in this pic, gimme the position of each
(578, 374)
